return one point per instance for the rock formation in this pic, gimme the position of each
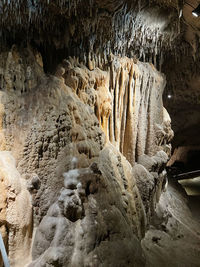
(175, 223)
(56, 119)
(84, 135)
(16, 211)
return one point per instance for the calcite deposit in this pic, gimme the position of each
(105, 120)
(85, 137)
(15, 211)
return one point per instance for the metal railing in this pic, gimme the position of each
(187, 175)
(4, 253)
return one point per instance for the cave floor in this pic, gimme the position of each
(173, 238)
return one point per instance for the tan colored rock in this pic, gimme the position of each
(2, 137)
(16, 212)
(105, 119)
(128, 104)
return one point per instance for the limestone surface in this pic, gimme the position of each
(76, 137)
(15, 211)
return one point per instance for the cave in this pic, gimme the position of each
(99, 133)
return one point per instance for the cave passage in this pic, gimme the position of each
(99, 133)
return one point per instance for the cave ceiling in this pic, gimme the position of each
(38, 15)
(119, 26)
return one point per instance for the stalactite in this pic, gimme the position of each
(116, 122)
(128, 148)
(125, 101)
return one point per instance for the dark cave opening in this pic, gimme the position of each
(52, 57)
(186, 160)
(193, 160)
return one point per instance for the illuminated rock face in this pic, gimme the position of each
(107, 119)
(127, 100)
(16, 211)
(105, 217)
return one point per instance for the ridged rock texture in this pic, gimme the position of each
(16, 211)
(84, 135)
(51, 126)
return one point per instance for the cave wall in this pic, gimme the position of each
(16, 212)
(48, 121)
(82, 119)
(183, 86)
(127, 100)
(182, 73)
(181, 67)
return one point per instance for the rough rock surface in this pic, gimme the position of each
(99, 210)
(92, 29)
(15, 211)
(94, 115)
(174, 236)
(92, 139)
(182, 73)
(127, 100)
